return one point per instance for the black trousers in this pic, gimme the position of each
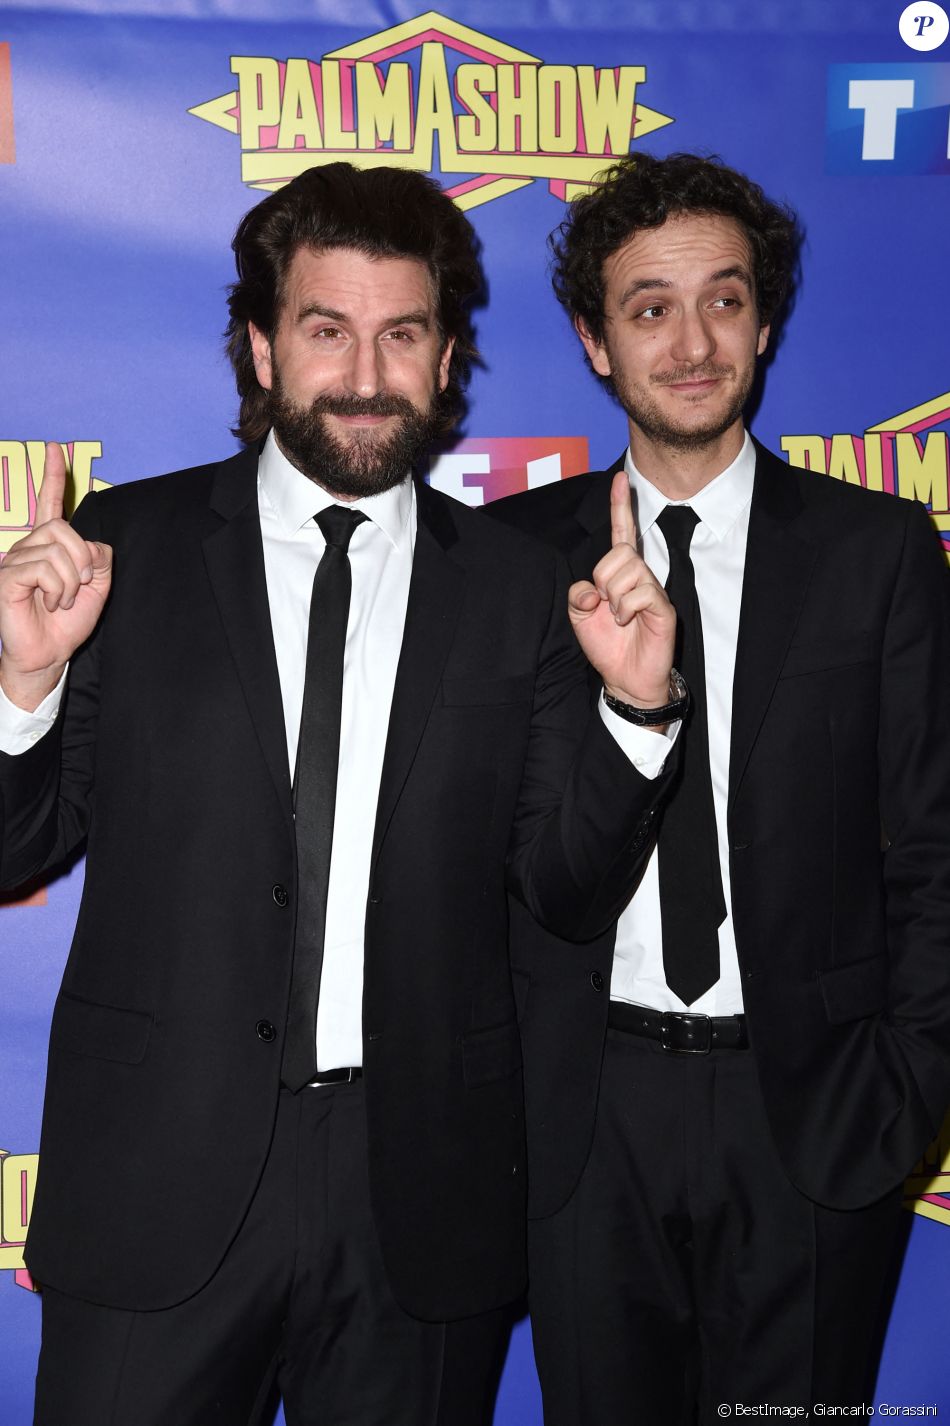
(301, 1305)
(686, 1272)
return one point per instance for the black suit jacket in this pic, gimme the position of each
(839, 828)
(169, 760)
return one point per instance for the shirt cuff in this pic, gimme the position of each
(646, 748)
(19, 730)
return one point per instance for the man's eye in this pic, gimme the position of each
(726, 302)
(399, 334)
(327, 333)
(651, 313)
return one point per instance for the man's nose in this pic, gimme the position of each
(694, 341)
(364, 374)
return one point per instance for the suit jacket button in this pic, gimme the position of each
(279, 893)
(597, 980)
(265, 1030)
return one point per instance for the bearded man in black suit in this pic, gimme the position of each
(316, 726)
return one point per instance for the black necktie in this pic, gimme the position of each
(692, 906)
(318, 756)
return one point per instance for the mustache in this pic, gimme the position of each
(384, 403)
(709, 371)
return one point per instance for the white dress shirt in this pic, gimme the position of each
(717, 551)
(380, 553)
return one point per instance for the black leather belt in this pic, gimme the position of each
(345, 1075)
(678, 1032)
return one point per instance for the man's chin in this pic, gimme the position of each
(348, 474)
(698, 437)
(347, 454)
(692, 429)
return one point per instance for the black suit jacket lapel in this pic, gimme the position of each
(591, 537)
(436, 590)
(778, 567)
(234, 558)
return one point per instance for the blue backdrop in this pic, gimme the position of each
(130, 136)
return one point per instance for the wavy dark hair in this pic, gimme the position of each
(380, 212)
(643, 192)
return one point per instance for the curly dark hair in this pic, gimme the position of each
(642, 191)
(380, 212)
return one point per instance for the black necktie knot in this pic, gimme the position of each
(677, 523)
(338, 523)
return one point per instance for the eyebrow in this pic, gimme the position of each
(740, 273)
(418, 318)
(660, 284)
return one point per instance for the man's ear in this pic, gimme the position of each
(763, 339)
(444, 361)
(595, 348)
(260, 346)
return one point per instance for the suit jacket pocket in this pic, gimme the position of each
(855, 991)
(483, 692)
(819, 655)
(104, 1032)
(490, 1054)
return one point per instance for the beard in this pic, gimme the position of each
(365, 464)
(657, 425)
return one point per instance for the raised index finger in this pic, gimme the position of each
(623, 527)
(49, 501)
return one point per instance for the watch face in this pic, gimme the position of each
(678, 687)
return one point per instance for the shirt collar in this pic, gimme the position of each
(296, 499)
(718, 505)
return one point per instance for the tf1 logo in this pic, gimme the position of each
(888, 118)
(479, 469)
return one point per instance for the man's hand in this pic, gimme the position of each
(623, 620)
(53, 585)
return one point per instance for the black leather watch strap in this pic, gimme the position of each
(653, 717)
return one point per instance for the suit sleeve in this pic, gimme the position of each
(914, 759)
(584, 821)
(46, 792)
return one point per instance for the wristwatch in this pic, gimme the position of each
(651, 717)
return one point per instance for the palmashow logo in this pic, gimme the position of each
(502, 118)
(17, 1187)
(905, 455)
(21, 473)
(927, 1190)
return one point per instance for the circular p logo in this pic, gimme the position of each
(924, 26)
